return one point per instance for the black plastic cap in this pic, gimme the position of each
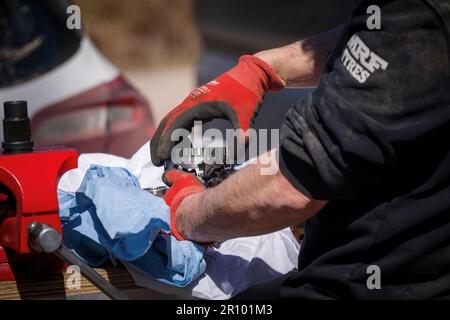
(16, 109)
(16, 128)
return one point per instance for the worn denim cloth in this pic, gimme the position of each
(110, 217)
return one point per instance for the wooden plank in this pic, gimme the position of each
(54, 286)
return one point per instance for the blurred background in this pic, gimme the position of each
(155, 43)
(105, 88)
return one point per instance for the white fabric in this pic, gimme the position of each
(235, 266)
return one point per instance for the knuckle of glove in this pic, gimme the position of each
(181, 185)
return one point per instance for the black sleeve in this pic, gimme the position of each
(382, 92)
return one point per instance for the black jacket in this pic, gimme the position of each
(374, 139)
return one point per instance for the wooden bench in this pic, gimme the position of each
(28, 287)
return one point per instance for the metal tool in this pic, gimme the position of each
(210, 174)
(45, 239)
(159, 191)
(208, 164)
(28, 177)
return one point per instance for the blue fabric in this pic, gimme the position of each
(110, 217)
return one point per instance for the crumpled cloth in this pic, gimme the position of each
(237, 265)
(110, 217)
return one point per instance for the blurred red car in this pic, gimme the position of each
(76, 97)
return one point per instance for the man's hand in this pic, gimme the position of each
(235, 95)
(181, 185)
(245, 204)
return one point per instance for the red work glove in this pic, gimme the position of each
(236, 95)
(181, 185)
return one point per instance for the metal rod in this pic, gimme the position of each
(44, 238)
(96, 279)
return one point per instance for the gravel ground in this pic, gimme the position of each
(164, 88)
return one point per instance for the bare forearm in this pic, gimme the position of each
(300, 64)
(246, 204)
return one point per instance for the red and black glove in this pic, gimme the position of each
(181, 185)
(236, 95)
